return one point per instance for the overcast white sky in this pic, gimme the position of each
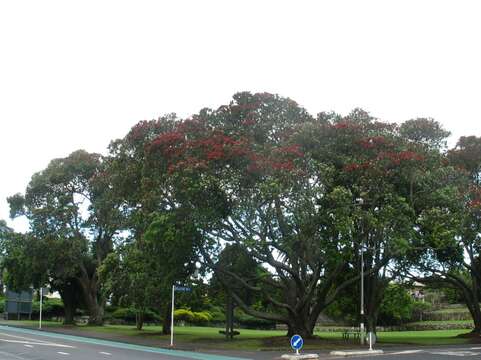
(76, 74)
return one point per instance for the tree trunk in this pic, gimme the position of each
(301, 325)
(166, 321)
(95, 304)
(139, 319)
(473, 305)
(68, 293)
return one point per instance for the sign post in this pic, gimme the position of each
(297, 343)
(40, 315)
(174, 289)
(172, 318)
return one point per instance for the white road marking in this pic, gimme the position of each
(62, 353)
(37, 343)
(29, 346)
(456, 353)
(405, 352)
(475, 348)
(21, 337)
(104, 353)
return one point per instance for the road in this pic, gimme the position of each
(25, 344)
(426, 353)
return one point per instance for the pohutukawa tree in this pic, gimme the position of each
(451, 240)
(263, 174)
(74, 218)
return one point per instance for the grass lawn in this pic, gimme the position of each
(208, 337)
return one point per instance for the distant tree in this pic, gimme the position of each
(450, 233)
(142, 273)
(73, 221)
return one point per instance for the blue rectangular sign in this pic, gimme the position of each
(182, 288)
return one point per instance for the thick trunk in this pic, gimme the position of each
(166, 321)
(473, 305)
(476, 314)
(301, 325)
(94, 302)
(139, 319)
(69, 294)
(69, 311)
(371, 322)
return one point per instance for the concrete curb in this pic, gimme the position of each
(299, 357)
(356, 352)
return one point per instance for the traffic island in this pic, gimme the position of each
(356, 352)
(299, 356)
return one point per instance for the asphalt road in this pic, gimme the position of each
(434, 353)
(24, 344)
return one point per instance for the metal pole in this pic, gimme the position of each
(362, 295)
(40, 316)
(172, 318)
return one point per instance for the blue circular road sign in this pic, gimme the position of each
(297, 342)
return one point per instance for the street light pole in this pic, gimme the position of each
(360, 202)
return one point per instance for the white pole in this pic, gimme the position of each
(40, 317)
(362, 294)
(172, 318)
(370, 340)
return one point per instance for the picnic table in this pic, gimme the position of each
(351, 333)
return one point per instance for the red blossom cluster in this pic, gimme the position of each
(171, 143)
(373, 142)
(354, 166)
(476, 203)
(188, 163)
(398, 157)
(475, 195)
(248, 122)
(190, 125)
(394, 157)
(341, 125)
(193, 146)
(294, 149)
(258, 162)
(142, 128)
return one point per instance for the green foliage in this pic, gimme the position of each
(51, 308)
(192, 317)
(126, 314)
(397, 306)
(183, 315)
(251, 322)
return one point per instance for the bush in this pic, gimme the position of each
(125, 314)
(396, 307)
(183, 315)
(250, 322)
(218, 314)
(51, 308)
(201, 318)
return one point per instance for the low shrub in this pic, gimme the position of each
(125, 314)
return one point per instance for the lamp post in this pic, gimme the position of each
(360, 202)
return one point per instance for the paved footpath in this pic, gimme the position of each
(28, 344)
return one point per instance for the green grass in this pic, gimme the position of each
(451, 310)
(208, 337)
(442, 322)
(425, 337)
